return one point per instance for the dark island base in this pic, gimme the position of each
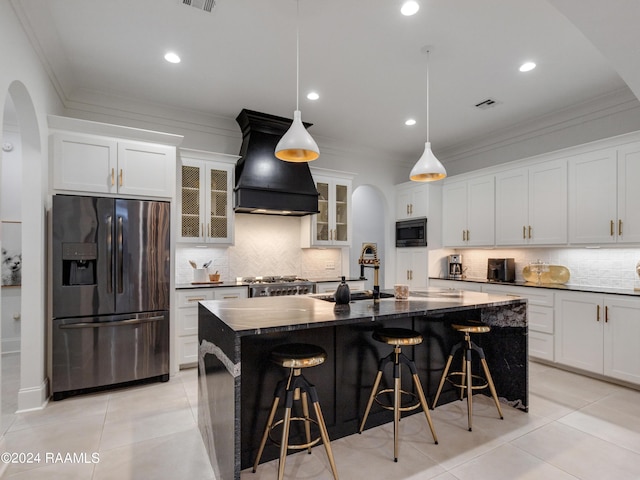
(235, 395)
(344, 381)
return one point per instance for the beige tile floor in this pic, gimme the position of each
(577, 428)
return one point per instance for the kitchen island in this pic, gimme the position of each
(236, 380)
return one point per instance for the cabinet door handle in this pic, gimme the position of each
(524, 232)
(120, 177)
(529, 232)
(113, 177)
(611, 228)
(202, 229)
(468, 236)
(196, 299)
(229, 296)
(606, 314)
(407, 209)
(598, 313)
(619, 228)
(411, 208)
(410, 274)
(208, 232)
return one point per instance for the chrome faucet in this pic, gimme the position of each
(369, 259)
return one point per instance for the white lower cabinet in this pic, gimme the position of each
(599, 333)
(412, 267)
(540, 317)
(187, 324)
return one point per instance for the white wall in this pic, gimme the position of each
(34, 97)
(11, 211)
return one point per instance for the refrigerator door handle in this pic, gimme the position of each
(120, 257)
(109, 254)
(131, 321)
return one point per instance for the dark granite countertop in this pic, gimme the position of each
(568, 287)
(266, 314)
(185, 286)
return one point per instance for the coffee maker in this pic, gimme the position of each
(455, 267)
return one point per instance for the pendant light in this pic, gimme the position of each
(297, 145)
(428, 168)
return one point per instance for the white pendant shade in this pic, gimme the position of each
(297, 145)
(428, 168)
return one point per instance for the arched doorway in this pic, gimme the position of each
(32, 391)
(369, 211)
(11, 289)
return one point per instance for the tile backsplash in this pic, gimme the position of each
(264, 245)
(598, 267)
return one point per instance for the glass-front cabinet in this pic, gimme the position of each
(332, 225)
(205, 206)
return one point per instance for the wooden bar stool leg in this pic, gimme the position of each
(307, 422)
(285, 435)
(372, 397)
(267, 429)
(425, 407)
(463, 380)
(396, 410)
(442, 380)
(469, 388)
(492, 387)
(325, 438)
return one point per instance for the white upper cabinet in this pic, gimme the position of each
(412, 200)
(412, 267)
(84, 163)
(604, 196)
(531, 205)
(629, 193)
(331, 227)
(205, 204)
(146, 169)
(84, 160)
(468, 215)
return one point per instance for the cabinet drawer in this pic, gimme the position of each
(540, 319)
(188, 350)
(541, 345)
(188, 321)
(190, 298)
(228, 293)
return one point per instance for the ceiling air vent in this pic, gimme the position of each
(488, 103)
(206, 5)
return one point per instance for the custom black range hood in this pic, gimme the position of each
(265, 184)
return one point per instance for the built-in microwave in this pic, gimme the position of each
(411, 233)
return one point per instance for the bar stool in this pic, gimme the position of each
(296, 356)
(398, 337)
(466, 377)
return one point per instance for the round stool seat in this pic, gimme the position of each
(472, 328)
(298, 355)
(397, 336)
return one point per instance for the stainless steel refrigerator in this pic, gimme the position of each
(110, 292)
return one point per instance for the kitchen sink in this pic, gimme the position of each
(355, 296)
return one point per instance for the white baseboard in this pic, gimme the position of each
(34, 398)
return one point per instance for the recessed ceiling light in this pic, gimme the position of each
(410, 7)
(172, 57)
(313, 96)
(410, 122)
(527, 66)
